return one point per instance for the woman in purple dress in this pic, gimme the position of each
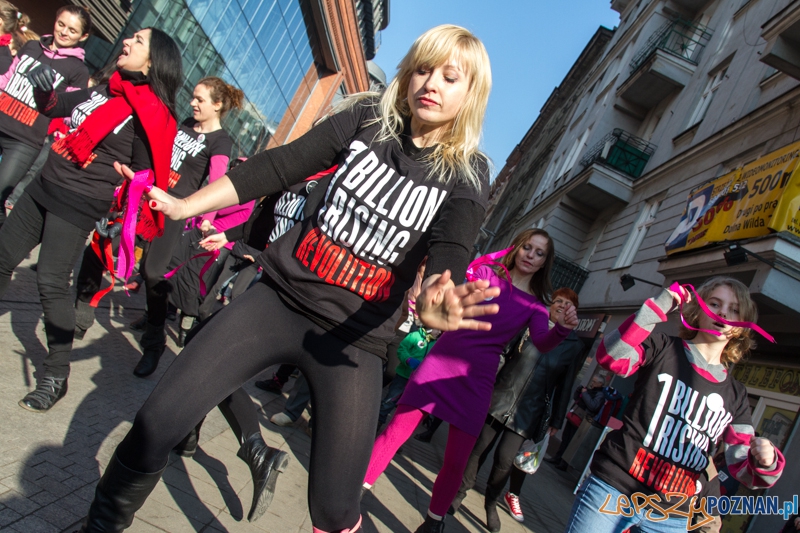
(456, 379)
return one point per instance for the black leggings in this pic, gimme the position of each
(18, 157)
(28, 225)
(255, 331)
(503, 466)
(154, 267)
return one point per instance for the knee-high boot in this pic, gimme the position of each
(265, 464)
(153, 343)
(119, 494)
(353, 529)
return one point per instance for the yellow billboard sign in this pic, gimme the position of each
(741, 204)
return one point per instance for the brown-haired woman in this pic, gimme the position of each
(11, 23)
(684, 404)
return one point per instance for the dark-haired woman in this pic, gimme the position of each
(456, 379)
(202, 148)
(410, 183)
(22, 126)
(129, 120)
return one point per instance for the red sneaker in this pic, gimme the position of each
(512, 500)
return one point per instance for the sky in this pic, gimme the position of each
(531, 44)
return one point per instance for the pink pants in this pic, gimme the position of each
(456, 455)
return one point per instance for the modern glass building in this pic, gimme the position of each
(290, 57)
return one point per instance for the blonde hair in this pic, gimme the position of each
(742, 342)
(457, 149)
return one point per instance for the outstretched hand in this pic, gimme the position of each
(684, 297)
(174, 208)
(444, 306)
(569, 318)
(214, 242)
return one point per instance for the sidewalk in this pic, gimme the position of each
(50, 463)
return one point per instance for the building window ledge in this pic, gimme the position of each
(687, 134)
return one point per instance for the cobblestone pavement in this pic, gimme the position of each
(50, 463)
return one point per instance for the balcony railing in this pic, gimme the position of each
(621, 151)
(678, 37)
(568, 274)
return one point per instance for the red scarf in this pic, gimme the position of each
(159, 126)
(5, 39)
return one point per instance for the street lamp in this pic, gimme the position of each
(627, 281)
(736, 255)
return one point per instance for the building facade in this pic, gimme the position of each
(687, 120)
(292, 58)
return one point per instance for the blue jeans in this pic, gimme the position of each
(393, 393)
(587, 518)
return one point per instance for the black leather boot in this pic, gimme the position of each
(84, 318)
(431, 525)
(45, 395)
(119, 494)
(188, 445)
(265, 464)
(153, 343)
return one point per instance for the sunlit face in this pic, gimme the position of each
(135, 54)
(436, 94)
(723, 302)
(558, 307)
(68, 30)
(531, 255)
(203, 108)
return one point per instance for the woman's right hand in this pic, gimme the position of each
(444, 306)
(686, 297)
(174, 208)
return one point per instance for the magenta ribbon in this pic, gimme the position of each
(213, 257)
(678, 289)
(488, 259)
(142, 182)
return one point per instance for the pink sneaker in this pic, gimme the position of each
(512, 500)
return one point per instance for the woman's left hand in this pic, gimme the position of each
(444, 306)
(569, 318)
(552, 431)
(762, 451)
(214, 242)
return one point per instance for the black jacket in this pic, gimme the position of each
(528, 377)
(591, 400)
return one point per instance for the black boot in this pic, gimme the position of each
(119, 494)
(84, 318)
(187, 323)
(431, 525)
(188, 445)
(45, 395)
(140, 323)
(153, 343)
(265, 464)
(492, 518)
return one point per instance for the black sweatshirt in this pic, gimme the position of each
(19, 117)
(348, 266)
(82, 194)
(195, 156)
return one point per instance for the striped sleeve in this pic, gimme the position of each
(741, 464)
(621, 350)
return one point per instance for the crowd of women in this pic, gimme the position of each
(400, 181)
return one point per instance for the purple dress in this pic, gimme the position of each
(455, 380)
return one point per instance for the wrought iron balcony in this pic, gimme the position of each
(678, 37)
(568, 274)
(621, 151)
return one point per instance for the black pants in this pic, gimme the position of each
(503, 467)
(566, 438)
(18, 158)
(255, 331)
(28, 225)
(154, 266)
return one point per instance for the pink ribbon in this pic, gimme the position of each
(678, 289)
(142, 182)
(213, 257)
(488, 259)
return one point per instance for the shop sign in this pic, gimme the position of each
(589, 325)
(780, 379)
(748, 202)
